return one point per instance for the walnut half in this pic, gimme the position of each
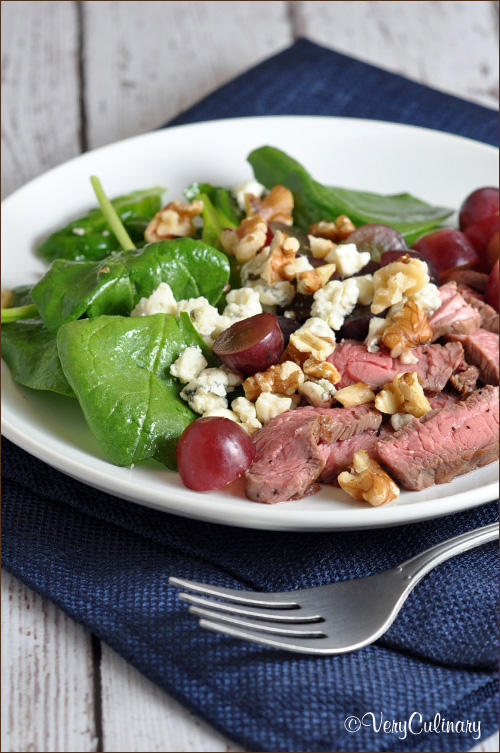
(408, 329)
(368, 481)
(173, 221)
(280, 379)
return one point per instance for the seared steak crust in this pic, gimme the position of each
(454, 314)
(459, 438)
(489, 317)
(481, 350)
(291, 450)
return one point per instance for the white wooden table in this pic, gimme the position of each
(78, 75)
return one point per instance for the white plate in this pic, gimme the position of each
(382, 157)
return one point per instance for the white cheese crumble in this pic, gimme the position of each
(189, 365)
(208, 390)
(348, 259)
(242, 303)
(398, 420)
(161, 301)
(335, 301)
(269, 405)
(249, 186)
(319, 393)
(365, 288)
(204, 316)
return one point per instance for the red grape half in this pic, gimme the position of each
(478, 205)
(212, 452)
(447, 249)
(251, 345)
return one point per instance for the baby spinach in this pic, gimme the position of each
(315, 202)
(118, 368)
(219, 212)
(30, 352)
(90, 237)
(71, 289)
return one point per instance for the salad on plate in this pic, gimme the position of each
(294, 333)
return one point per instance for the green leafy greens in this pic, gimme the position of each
(315, 202)
(72, 289)
(90, 237)
(118, 368)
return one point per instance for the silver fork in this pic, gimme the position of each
(330, 619)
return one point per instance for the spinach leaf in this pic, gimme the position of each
(30, 352)
(119, 370)
(219, 212)
(90, 237)
(315, 202)
(71, 289)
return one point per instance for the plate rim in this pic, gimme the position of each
(384, 517)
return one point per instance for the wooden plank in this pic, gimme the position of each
(451, 46)
(40, 89)
(154, 721)
(146, 62)
(47, 675)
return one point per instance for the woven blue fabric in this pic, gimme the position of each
(106, 562)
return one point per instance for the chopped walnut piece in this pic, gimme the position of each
(333, 231)
(311, 280)
(6, 298)
(409, 327)
(321, 370)
(403, 277)
(368, 481)
(245, 241)
(355, 394)
(277, 206)
(403, 395)
(278, 266)
(320, 247)
(280, 379)
(315, 339)
(173, 221)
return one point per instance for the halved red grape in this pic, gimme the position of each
(356, 324)
(251, 345)
(481, 203)
(377, 238)
(447, 249)
(212, 452)
(479, 235)
(389, 256)
(492, 250)
(288, 327)
(491, 292)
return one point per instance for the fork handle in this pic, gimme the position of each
(418, 566)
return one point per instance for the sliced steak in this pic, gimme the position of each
(340, 454)
(465, 381)
(454, 315)
(457, 439)
(288, 454)
(481, 350)
(489, 317)
(476, 280)
(436, 363)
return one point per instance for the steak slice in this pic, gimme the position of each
(476, 280)
(459, 438)
(289, 456)
(481, 350)
(489, 317)
(340, 454)
(454, 314)
(436, 363)
(465, 381)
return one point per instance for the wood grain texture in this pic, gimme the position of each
(154, 721)
(40, 90)
(146, 62)
(47, 675)
(452, 46)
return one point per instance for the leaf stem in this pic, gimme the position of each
(19, 312)
(111, 216)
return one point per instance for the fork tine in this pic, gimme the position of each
(279, 615)
(279, 600)
(298, 645)
(265, 626)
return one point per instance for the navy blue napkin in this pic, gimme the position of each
(428, 685)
